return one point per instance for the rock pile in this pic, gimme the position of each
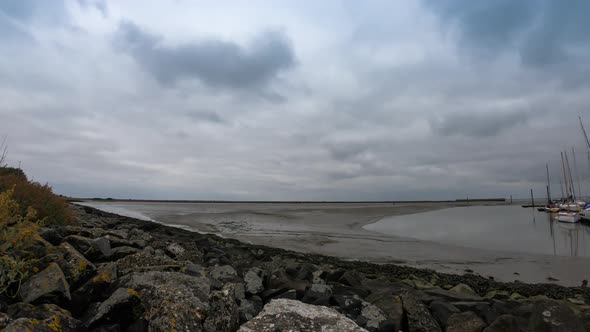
(112, 273)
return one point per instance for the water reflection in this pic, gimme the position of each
(509, 228)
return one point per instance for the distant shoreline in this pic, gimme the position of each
(475, 200)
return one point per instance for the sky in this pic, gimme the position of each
(295, 100)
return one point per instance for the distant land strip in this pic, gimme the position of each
(95, 199)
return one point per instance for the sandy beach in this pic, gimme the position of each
(337, 230)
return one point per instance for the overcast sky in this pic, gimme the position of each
(294, 100)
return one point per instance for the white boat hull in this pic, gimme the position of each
(568, 217)
(570, 207)
(585, 214)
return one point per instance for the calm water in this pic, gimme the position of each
(507, 228)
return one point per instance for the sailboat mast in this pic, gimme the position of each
(577, 175)
(569, 172)
(584, 132)
(564, 177)
(548, 185)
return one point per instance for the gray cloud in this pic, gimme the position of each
(542, 32)
(477, 125)
(217, 63)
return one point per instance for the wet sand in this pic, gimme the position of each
(337, 230)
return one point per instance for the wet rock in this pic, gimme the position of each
(46, 317)
(94, 289)
(290, 315)
(123, 307)
(196, 270)
(50, 235)
(253, 281)
(141, 261)
(100, 249)
(247, 311)
(281, 280)
(391, 306)
(504, 323)
(49, 285)
(78, 269)
(120, 252)
(497, 295)
(373, 316)
(452, 296)
(550, 315)
(175, 250)
(223, 273)
(419, 318)
(465, 322)
(317, 294)
(139, 235)
(81, 243)
(463, 290)
(120, 233)
(4, 320)
(442, 311)
(223, 314)
(482, 309)
(172, 300)
(351, 278)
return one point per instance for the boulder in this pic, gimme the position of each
(100, 249)
(139, 235)
(551, 315)
(223, 314)
(453, 296)
(419, 318)
(223, 273)
(175, 250)
(465, 322)
(122, 251)
(373, 316)
(123, 307)
(482, 309)
(142, 261)
(172, 300)
(4, 320)
(463, 289)
(45, 317)
(81, 243)
(504, 323)
(291, 315)
(497, 295)
(351, 278)
(253, 281)
(49, 285)
(442, 311)
(246, 310)
(50, 235)
(195, 270)
(120, 233)
(392, 307)
(78, 269)
(94, 289)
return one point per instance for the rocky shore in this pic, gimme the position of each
(111, 273)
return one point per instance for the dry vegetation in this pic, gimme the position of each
(24, 207)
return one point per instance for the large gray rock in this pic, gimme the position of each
(504, 323)
(223, 273)
(76, 267)
(81, 243)
(554, 316)
(373, 316)
(253, 281)
(465, 322)
(142, 261)
(419, 318)
(442, 311)
(223, 314)
(453, 296)
(122, 307)
(45, 318)
(122, 251)
(175, 250)
(392, 308)
(49, 285)
(172, 300)
(291, 315)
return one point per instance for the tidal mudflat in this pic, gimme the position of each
(506, 242)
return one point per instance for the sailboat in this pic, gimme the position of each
(550, 207)
(569, 209)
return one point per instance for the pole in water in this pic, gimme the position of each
(532, 198)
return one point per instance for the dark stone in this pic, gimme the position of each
(419, 318)
(94, 289)
(465, 322)
(279, 279)
(306, 271)
(551, 315)
(223, 313)
(224, 274)
(349, 290)
(120, 252)
(482, 309)
(81, 243)
(282, 294)
(351, 278)
(453, 296)
(74, 265)
(253, 281)
(47, 286)
(504, 323)
(392, 307)
(442, 311)
(100, 249)
(45, 317)
(123, 307)
(50, 235)
(334, 275)
(247, 311)
(142, 261)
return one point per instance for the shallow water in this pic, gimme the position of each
(506, 228)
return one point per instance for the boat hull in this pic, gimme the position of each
(568, 217)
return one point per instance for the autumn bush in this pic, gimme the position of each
(17, 232)
(51, 208)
